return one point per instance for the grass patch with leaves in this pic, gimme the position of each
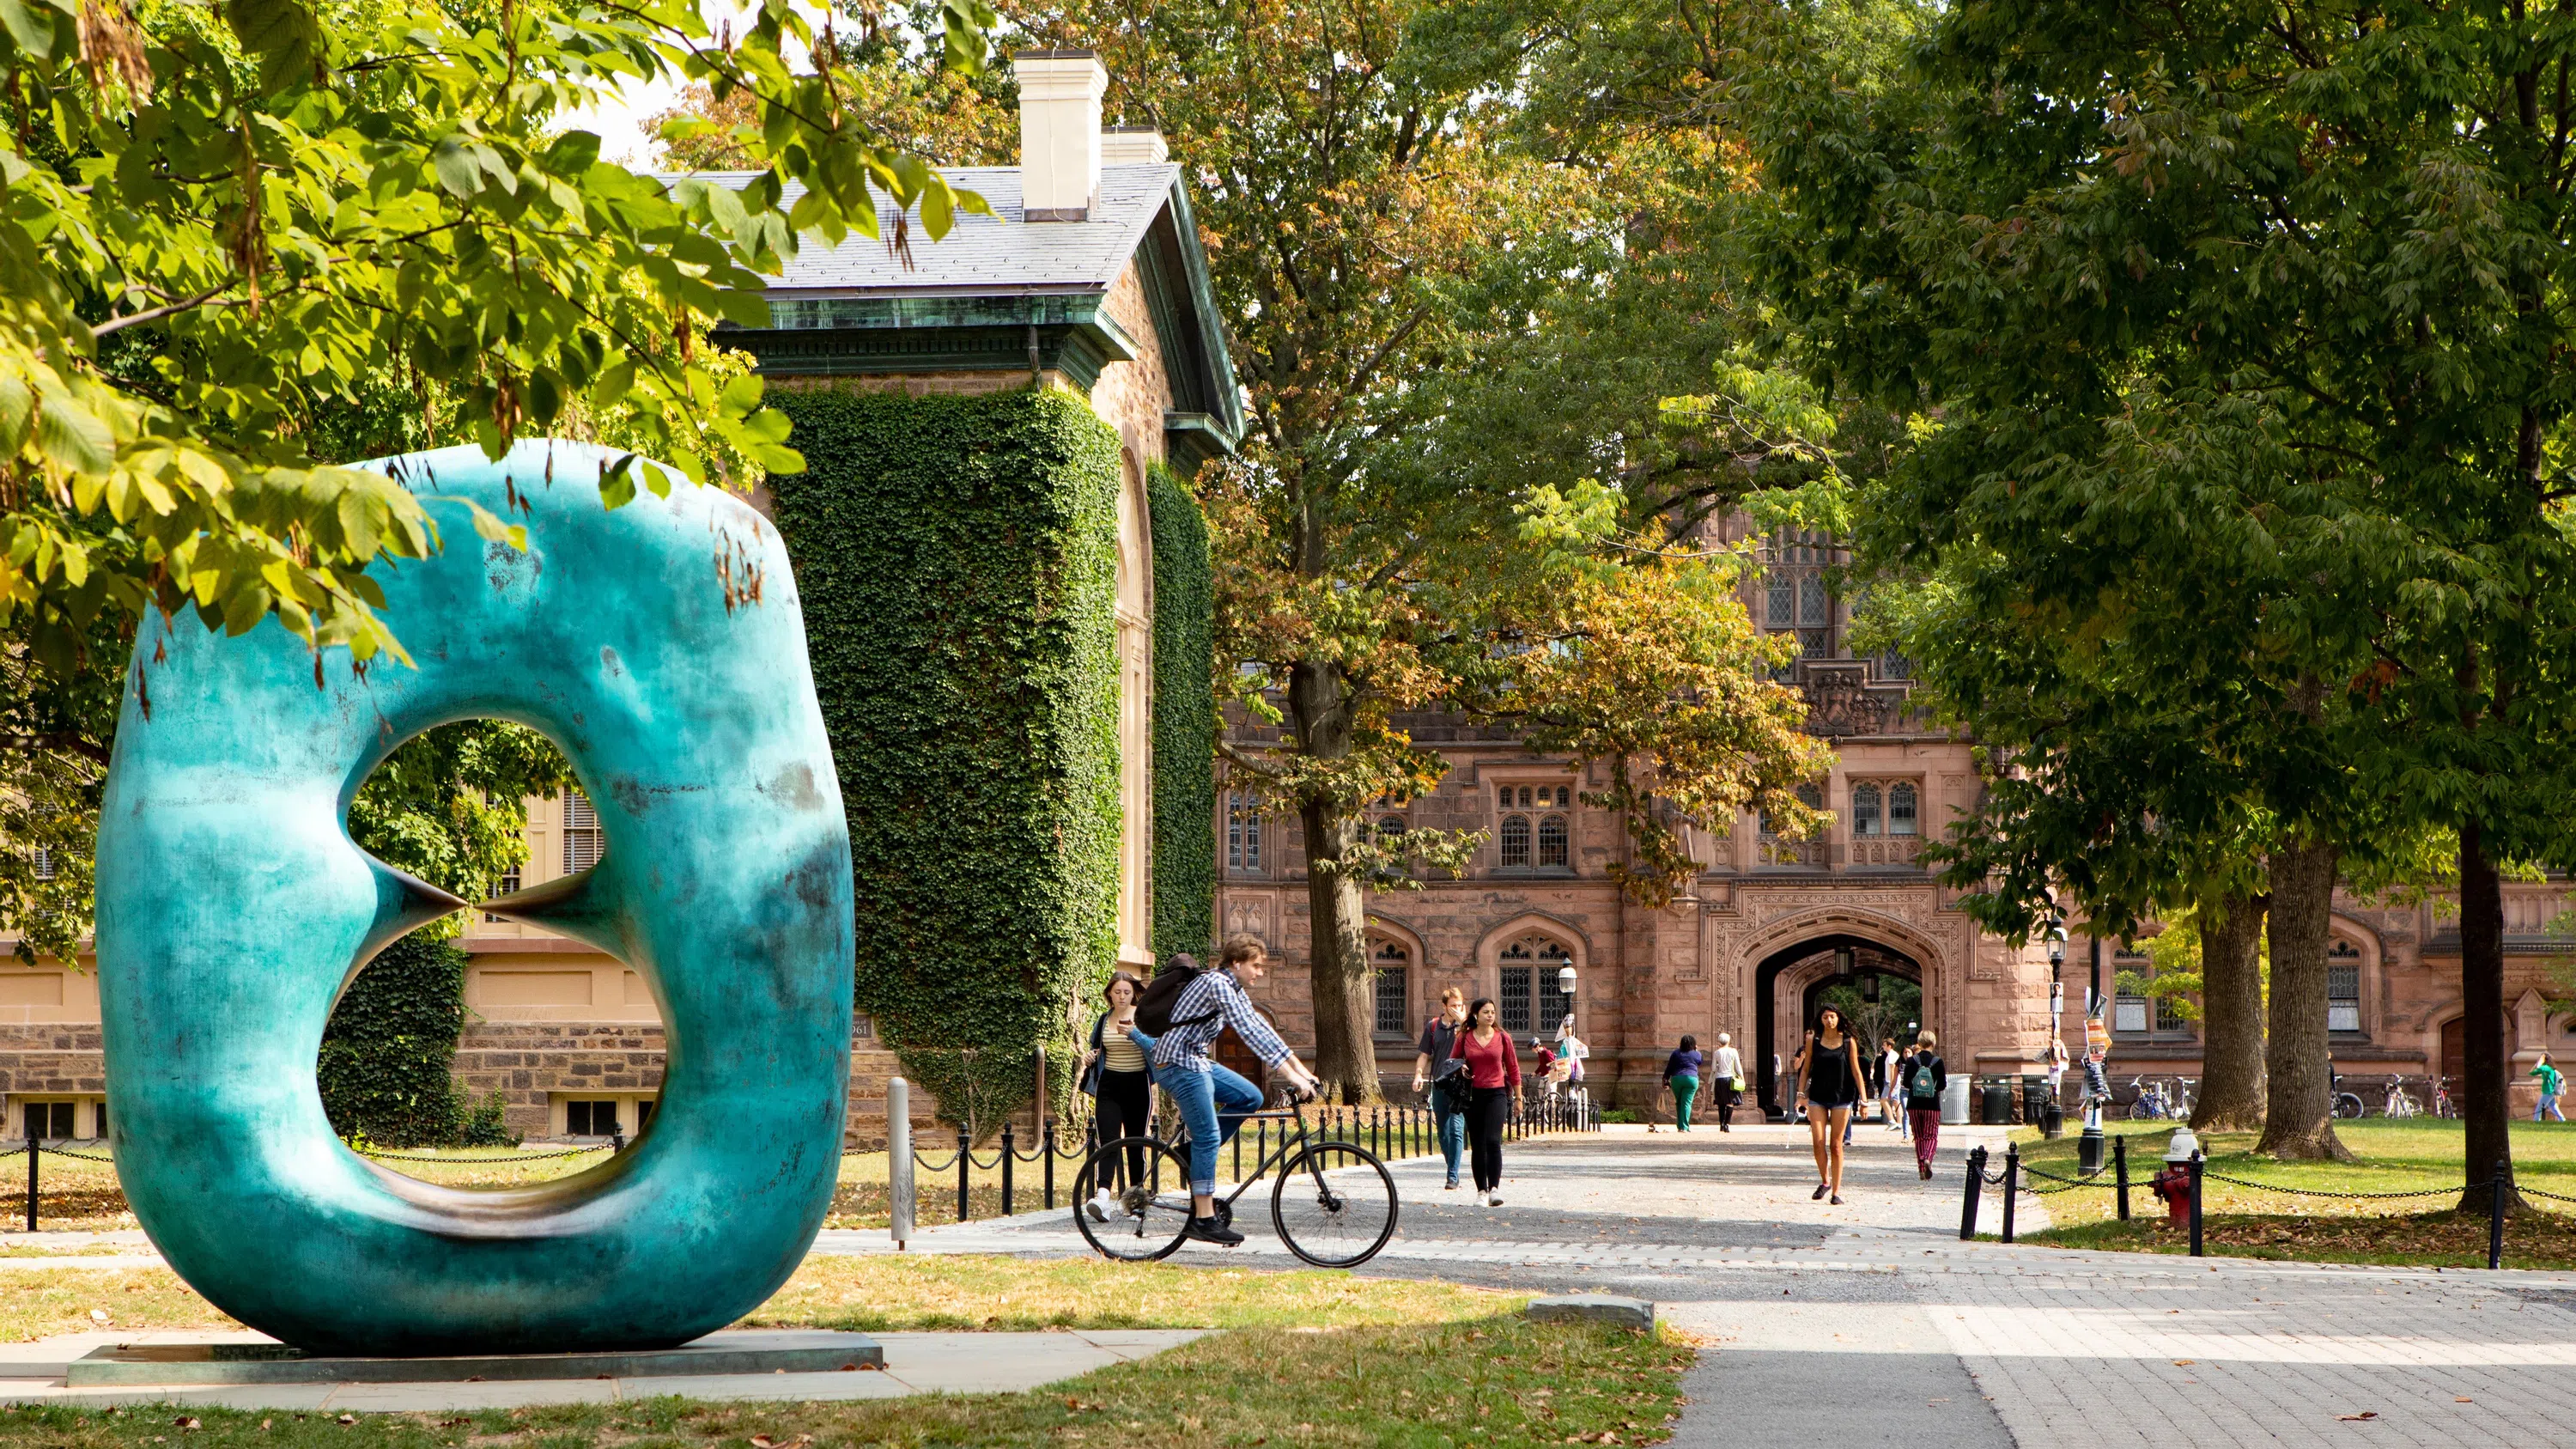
(41, 1302)
(2414, 1156)
(1494, 1381)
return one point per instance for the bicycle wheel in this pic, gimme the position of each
(1334, 1205)
(2347, 1106)
(1148, 1211)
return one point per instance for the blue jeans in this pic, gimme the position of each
(1453, 1140)
(1212, 1103)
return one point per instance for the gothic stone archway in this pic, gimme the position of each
(1785, 987)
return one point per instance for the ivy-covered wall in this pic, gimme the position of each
(1184, 721)
(386, 1053)
(956, 558)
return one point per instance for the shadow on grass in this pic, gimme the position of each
(2436, 1239)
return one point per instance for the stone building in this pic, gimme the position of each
(1088, 277)
(1769, 923)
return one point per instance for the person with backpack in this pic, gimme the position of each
(2550, 1084)
(1924, 1077)
(1437, 1068)
(1183, 1011)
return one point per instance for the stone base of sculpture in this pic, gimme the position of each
(194, 1365)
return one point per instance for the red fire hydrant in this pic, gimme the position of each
(2174, 1186)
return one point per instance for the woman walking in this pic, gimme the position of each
(1493, 1081)
(1681, 1074)
(1121, 1081)
(1726, 1082)
(1891, 1093)
(1830, 1069)
(1924, 1079)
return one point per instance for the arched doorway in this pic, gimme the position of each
(1792, 982)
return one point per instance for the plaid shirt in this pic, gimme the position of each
(1219, 998)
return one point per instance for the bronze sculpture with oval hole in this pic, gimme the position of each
(233, 908)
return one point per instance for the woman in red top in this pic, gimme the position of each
(1493, 1081)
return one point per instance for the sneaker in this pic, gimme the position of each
(1819, 1193)
(1493, 1199)
(1102, 1204)
(1838, 1200)
(1451, 1184)
(1210, 1230)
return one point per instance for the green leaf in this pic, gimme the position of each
(73, 437)
(282, 33)
(458, 169)
(17, 404)
(31, 30)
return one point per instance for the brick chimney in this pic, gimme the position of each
(1060, 94)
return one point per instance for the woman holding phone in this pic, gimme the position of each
(1829, 1068)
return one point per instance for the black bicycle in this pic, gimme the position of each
(1333, 1203)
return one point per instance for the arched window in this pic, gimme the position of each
(1391, 825)
(1529, 967)
(1552, 841)
(580, 832)
(1864, 810)
(2343, 987)
(1392, 963)
(1900, 809)
(1516, 841)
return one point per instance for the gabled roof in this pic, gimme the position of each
(1001, 293)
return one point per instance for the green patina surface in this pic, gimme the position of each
(233, 909)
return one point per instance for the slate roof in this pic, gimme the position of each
(989, 255)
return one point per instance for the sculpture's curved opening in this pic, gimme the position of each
(481, 1050)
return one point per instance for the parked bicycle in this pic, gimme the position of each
(2344, 1105)
(2400, 1102)
(1333, 1203)
(2443, 1106)
(2156, 1102)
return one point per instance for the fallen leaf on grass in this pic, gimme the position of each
(184, 1422)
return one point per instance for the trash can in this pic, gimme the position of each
(2034, 1098)
(1954, 1103)
(1994, 1102)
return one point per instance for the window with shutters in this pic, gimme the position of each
(44, 863)
(508, 886)
(580, 833)
(2343, 987)
(1391, 963)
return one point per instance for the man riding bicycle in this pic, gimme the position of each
(1211, 1099)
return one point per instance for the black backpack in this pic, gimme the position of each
(1163, 992)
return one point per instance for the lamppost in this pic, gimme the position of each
(2052, 1118)
(1565, 988)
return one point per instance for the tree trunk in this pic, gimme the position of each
(2231, 1002)
(1345, 1006)
(2299, 1119)
(1319, 703)
(2484, 1113)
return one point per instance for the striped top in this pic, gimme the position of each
(1118, 1054)
(1205, 1009)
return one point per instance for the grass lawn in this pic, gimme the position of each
(1319, 1358)
(2417, 1155)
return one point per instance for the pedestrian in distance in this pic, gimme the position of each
(1434, 1068)
(1493, 1082)
(1681, 1076)
(1120, 1082)
(1726, 1082)
(1924, 1079)
(1891, 1096)
(2055, 1060)
(1546, 1068)
(1571, 1051)
(1830, 1071)
(2550, 1084)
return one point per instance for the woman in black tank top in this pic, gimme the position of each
(1828, 1068)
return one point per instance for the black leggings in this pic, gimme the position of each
(1486, 1108)
(1124, 1098)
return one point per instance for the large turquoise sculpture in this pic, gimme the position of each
(233, 908)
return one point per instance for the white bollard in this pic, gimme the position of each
(899, 1159)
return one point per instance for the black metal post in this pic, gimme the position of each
(1975, 1190)
(2195, 1204)
(1238, 1154)
(31, 1177)
(965, 1163)
(2012, 1184)
(1008, 1156)
(2495, 1216)
(1047, 1136)
(2120, 1168)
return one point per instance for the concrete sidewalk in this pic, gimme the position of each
(916, 1363)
